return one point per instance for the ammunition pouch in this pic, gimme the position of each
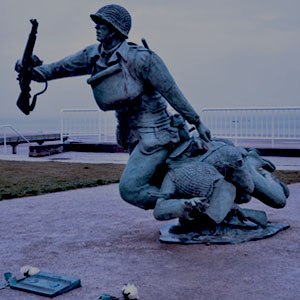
(114, 88)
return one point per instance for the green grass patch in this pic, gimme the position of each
(20, 179)
(288, 177)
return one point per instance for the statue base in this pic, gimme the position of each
(219, 234)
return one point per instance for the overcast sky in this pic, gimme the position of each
(222, 53)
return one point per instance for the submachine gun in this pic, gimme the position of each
(28, 62)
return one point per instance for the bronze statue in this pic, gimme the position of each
(133, 81)
(197, 180)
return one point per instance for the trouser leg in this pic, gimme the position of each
(269, 189)
(134, 183)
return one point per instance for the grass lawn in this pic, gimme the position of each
(20, 179)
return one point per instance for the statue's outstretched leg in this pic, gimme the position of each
(268, 188)
(258, 162)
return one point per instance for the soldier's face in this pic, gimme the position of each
(103, 30)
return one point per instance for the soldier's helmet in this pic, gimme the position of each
(115, 15)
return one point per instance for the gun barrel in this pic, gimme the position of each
(26, 71)
(27, 60)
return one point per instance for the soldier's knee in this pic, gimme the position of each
(127, 191)
(137, 195)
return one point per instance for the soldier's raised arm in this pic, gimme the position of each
(159, 76)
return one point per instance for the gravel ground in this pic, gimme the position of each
(94, 235)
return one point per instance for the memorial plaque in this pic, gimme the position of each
(46, 284)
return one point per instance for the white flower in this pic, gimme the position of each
(129, 291)
(29, 270)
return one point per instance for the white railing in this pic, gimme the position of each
(88, 125)
(263, 123)
(268, 123)
(12, 128)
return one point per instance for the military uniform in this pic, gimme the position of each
(136, 90)
(133, 81)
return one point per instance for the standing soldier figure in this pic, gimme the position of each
(133, 81)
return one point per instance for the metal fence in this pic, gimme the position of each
(265, 123)
(88, 125)
(4, 129)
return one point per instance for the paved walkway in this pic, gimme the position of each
(76, 157)
(94, 235)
